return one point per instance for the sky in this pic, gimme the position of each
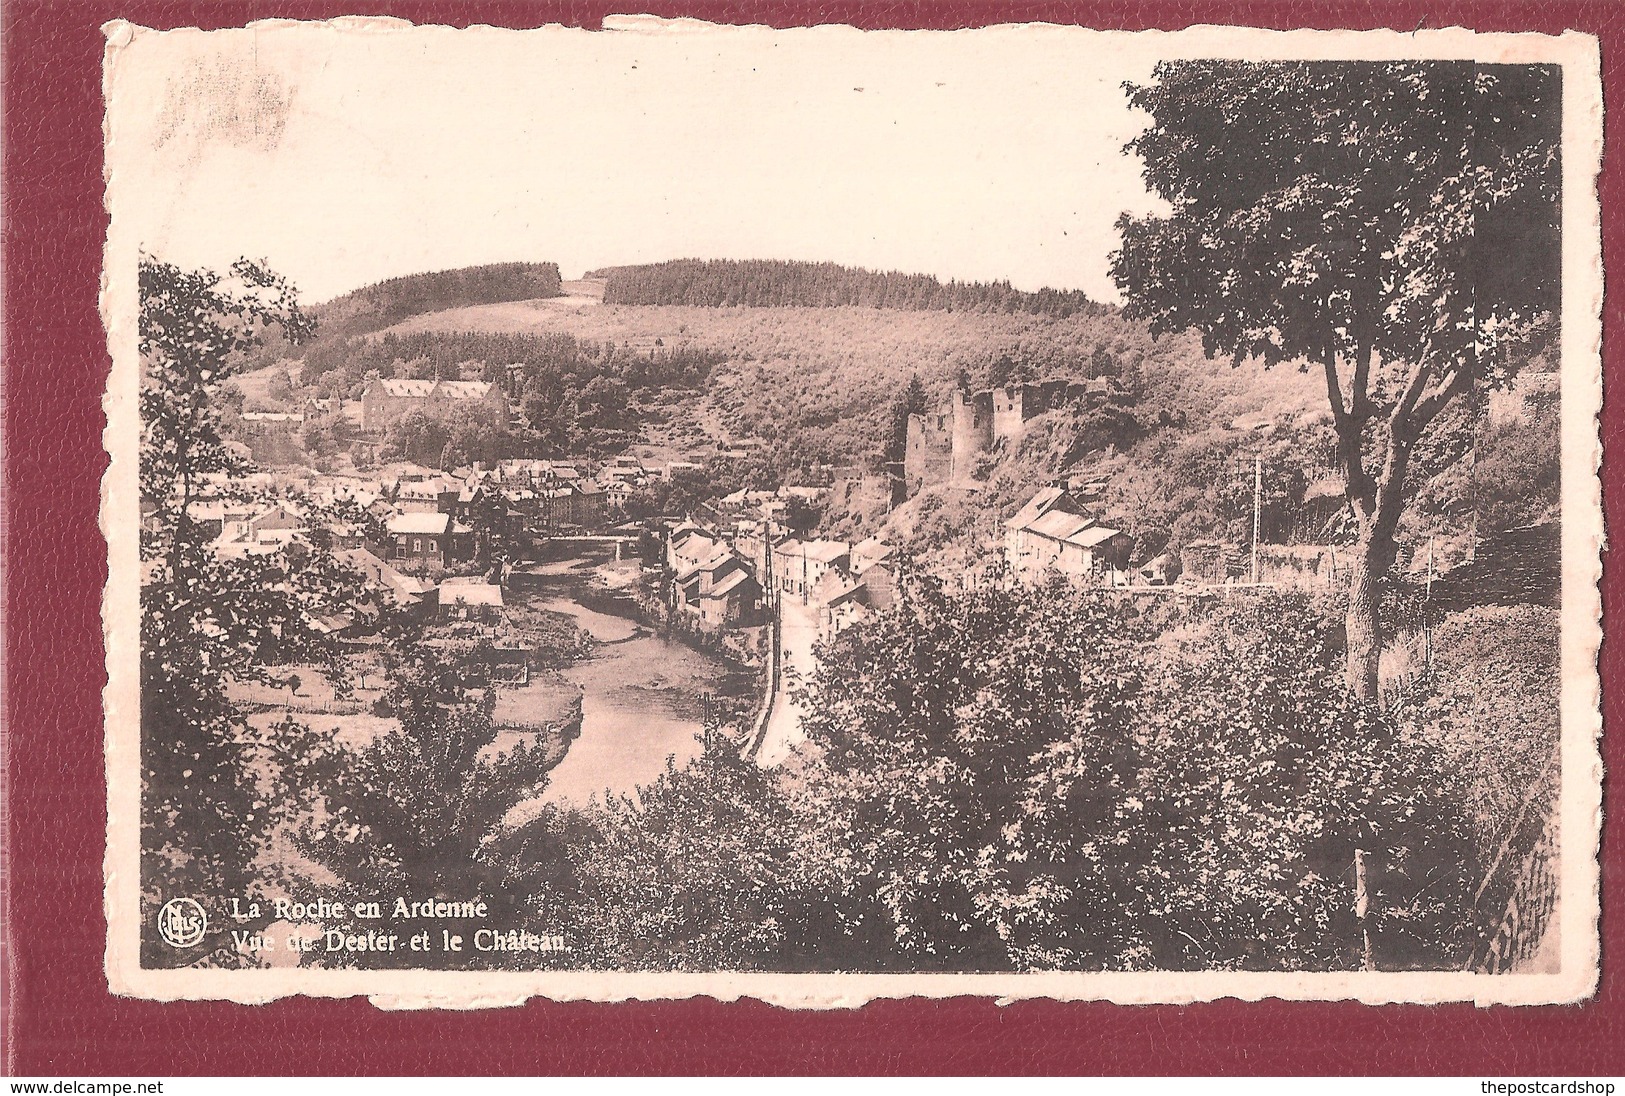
(349, 154)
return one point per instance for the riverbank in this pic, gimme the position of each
(644, 695)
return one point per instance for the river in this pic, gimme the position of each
(643, 695)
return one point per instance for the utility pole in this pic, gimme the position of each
(1258, 508)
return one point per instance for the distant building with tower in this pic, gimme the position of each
(385, 401)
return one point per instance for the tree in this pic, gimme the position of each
(195, 329)
(420, 811)
(707, 869)
(978, 758)
(1001, 372)
(675, 496)
(1357, 217)
(473, 436)
(205, 621)
(488, 517)
(418, 437)
(1260, 787)
(1045, 778)
(280, 384)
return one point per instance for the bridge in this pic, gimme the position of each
(592, 538)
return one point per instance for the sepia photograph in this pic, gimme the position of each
(816, 515)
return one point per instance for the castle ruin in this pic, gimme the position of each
(943, 446)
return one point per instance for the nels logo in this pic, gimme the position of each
(182, 923)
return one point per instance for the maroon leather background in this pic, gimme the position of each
(59, 1018)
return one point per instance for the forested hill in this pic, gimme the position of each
(722, 283)
(375, 307)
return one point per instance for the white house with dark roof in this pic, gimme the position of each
(400, 590)
(689, 545)
(873, 590)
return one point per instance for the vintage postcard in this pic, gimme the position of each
(819, 515)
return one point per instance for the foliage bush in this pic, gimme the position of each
(420, 812)
(1491, 711)
(1045, 779)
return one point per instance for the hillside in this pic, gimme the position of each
(821, 386)
(822, 380)
(377, 306)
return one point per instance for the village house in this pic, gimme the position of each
(514, 470)
(470, 599)
(337, 489)
(390, 485)
(867, 553)
(569, 503)
(392, 588)
(433, 540)
(269, 423)
(735, 601)
(343, 536)
(435, 495)
(544, 471)
(719, 592)
(385, 401)
(875, 589)
(739, 448)
(1161, 570)
(753, 541)
(616, 492)
(277, 516)
(1055, 533)
(625, 469)
(588, 505)
(688, 544)
(248, 530)
(1211, 562)
(799, 565)
(209, 516)
(522, 500)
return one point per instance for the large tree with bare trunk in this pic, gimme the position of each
(1393, 225)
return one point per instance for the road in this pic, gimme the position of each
(799, 630)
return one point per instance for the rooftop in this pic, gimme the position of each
(727, 585)
(822, 551)
(1090, 537)
(470, 592)
(420, 523)
(1059, 525)
(1036, 507)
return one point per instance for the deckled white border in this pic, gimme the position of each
(1582, 539)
